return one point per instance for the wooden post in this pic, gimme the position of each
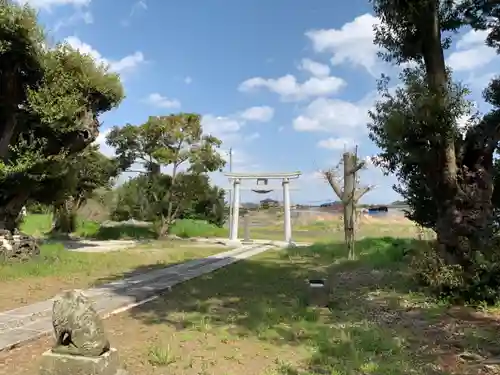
(348, 201)
(246, 227)
(349, 195)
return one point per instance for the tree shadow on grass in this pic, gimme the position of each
(137, 271)
(121, 232)
(375, 323)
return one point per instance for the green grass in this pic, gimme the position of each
(57, 269)
(37, 224)
(196, 228)
(40, 225)
(377, 322)
(55, 260)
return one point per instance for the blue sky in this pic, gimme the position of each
(285, 83)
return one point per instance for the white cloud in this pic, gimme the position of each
(228, 128)
(336, 143)
(315, 68)
(78, 16)
(124, 65)
(235, 156)
(161, 101)
(290, 90)
(472, 38)
(334, 116)
(225, 128)
(141, 4)
(471, 52)
(352, 43)
(101, 142)
(252, 137)
(188, 80)
(47, 4)
(260, 114)
(127, 63)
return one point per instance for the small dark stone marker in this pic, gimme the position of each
(318, 293)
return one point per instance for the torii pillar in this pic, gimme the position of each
(236, 179)
(235, 217)
(286, 208)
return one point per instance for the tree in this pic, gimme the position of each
(209, 205)
(137, 199)
(51, 98)
(446, 173)
(349, 194)
(173, 141)
(72, 182)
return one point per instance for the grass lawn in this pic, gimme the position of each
(251, 319)
(57, 269)
(39, 225)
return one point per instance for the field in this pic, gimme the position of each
(58, 269)
(252, 318)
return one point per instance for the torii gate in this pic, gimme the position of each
(261, 182)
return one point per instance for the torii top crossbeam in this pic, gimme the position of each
(270, 176)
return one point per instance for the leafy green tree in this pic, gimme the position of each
(447, 174)
(51, 98)
(209, 206)
(72, 182)
(141, 199)
(173, 141)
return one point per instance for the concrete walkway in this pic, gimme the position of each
(30, 322)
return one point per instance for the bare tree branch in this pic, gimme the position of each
(359, 166)
(331, 178)
(362, 191)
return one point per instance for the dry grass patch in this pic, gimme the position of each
(58, 269)
(329, 230)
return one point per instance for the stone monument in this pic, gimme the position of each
(82, 347)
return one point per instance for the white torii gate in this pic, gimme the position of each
(236, 179)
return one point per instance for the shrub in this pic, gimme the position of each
(188, 228)
(477, 282)
(141, 199)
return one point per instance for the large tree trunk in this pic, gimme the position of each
(10, 208)
(65, 217)
(458, 219)
(350, 161)
(6, 136)
(467, 225)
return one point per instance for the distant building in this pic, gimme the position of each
(377, 209)
(266, 203)
(333, 206)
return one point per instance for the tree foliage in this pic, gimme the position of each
(72, 182)
(447, 174)
(176, 142)
(141, 198)
(51, 97)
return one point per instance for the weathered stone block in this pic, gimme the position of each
(17, 247)
(65, 364)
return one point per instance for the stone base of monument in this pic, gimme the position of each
(65, 364)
